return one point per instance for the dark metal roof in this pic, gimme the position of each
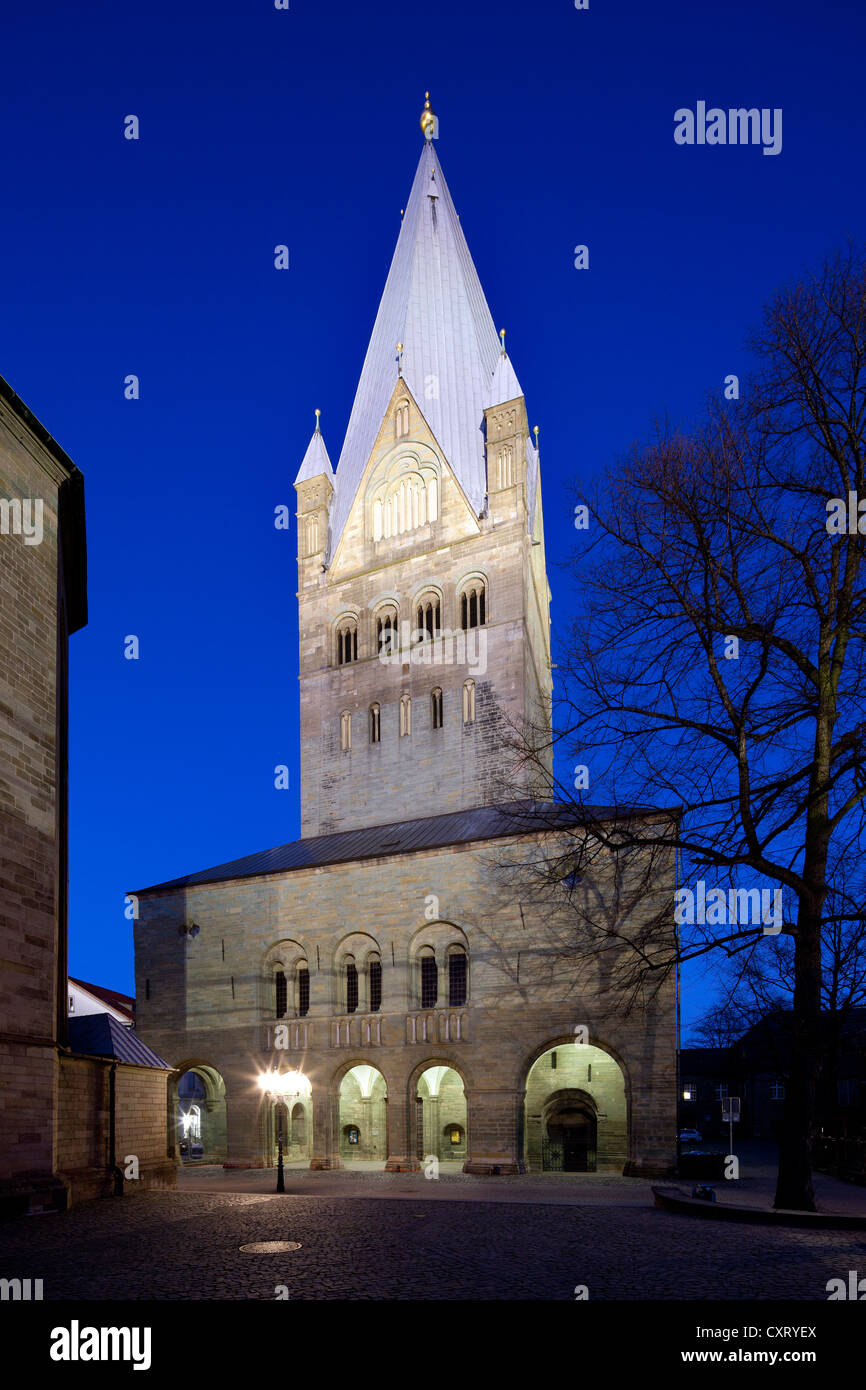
(100, 1035)
(405, 837)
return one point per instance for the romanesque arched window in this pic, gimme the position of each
(401, 420)
(312, 534)
(279, 982)
(347, 641)
(350, 971)
(375, 971)
(405, 499)
(473, 604)
(405, 715)
(303, 989)
(458, 976)
(281, 994)
(429, 982)
(386, 629)
(469, 702)
(436, 708)
(375, 731)
(428, 616)
(345, 730)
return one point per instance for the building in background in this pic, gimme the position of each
(755, 1068)
(87, 999)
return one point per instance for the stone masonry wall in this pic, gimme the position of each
(84, 1159)
(28, 815)
(525, 996)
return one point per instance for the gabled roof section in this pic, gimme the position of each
(434, 305)
(316, 460)
(124, 1003)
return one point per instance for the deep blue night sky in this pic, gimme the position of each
(155, 257)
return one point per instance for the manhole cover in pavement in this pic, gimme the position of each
(270, 1247)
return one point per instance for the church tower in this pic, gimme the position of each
(422, 588)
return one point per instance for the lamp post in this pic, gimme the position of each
(283, 1086)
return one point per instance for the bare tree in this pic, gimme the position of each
(715, 664)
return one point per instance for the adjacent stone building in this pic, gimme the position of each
(61, 1111)
(419, 1004)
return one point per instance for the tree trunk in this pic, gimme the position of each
(794, 1190)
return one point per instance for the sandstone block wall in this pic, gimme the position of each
(210, 1001)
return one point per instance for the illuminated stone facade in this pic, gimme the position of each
(383, 956)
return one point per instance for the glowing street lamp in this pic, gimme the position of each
(283, 1086)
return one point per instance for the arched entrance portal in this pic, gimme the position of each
(569, 1133)
(440, 1115)
(199, 1115)
(290, 1118)
(575, 1114)
(363, 1115)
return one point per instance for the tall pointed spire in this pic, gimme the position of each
(434, 305)
(504, 386)
(316, 460)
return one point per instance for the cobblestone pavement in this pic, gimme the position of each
(180, 1245)
(756, 1186)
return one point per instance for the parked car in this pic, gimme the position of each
(690, 1136)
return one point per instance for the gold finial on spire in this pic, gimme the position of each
(318, 413)
(535, 432)
(399, 359)
(428, 119)
(502, 338)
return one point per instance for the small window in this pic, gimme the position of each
(457, 978)
(553, 1061)
(303, 991)
(777, 1091)
(351, 987)
(347, 642)
(473, 605)
(375, 985)
(72, 1003)
(429, 981)
(405, 715)
(428, 617)
(690, 1090)
(353, 1134)
(722, 1091)
(312, 533)
(345, 731)
(281, 994)
(386, 631)
(374, 724)
(468, 702)
(401, 420)
(455, 1135)
(436, 708)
